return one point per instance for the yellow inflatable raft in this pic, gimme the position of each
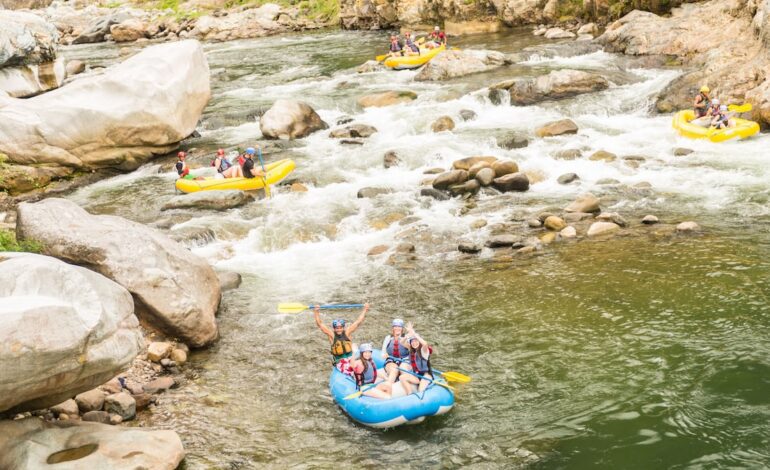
(413, 61)
(743, 128)
(276, 171)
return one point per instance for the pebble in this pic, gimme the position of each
(688, 226)
(602, 228)
(568, 232)
(534, 223)
(612, 217)
(500, 241)
(554, 223)
(568, 178)
(478, 223)
(178, 356)
(649, 219)
(158, 350)
(468, 247)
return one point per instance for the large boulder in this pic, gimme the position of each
(386, 98)
(556, 85)
(451, 64)
(69, 445)
(128, 30)
(119, 119)
(173, 289)
(290, 119)
(64, 330)
(28, 64)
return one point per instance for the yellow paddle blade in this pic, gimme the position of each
(292, 308)
(353, 395)
(740, 108)
(420, 40)
(452, 376)
(380, 58)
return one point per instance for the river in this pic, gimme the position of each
(648, 350)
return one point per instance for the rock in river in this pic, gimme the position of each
(602, 228)
(450, 178)
(556, 85)
(290, 119)
(353, 131)
(451, 64)
(118, 119)
(512, 182)
(584, 203)
(214, 200)
(173, 289)
(65, 330)
(444, 123)
(386, 98)
(551, 129)
(34, 443)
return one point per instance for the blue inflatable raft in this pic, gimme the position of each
(377, 413)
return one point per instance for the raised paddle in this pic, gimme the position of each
(296, 307)
(740, 108)
(450, 376)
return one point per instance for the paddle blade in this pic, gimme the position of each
(292, 308)
(380, 58)
(452, 376)
(742, 108)
(353, 395)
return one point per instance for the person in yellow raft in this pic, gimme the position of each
(702, 102)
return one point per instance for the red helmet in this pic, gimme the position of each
(181, 154)
(220, 152)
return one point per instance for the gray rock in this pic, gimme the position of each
(192, 235)
(534, 223)
(456, 63)
(229, 280)
(467, 115)
(92, 400)
(98, 28)
(607, 182)
(512, 182)
(568, 232)
(34, 443)
(568, 178)
(450, 178)
(351, 142)
(211, 200)
(353, 131)
(649, 219)
(372, 192)
(681, 152)
(97, 417)
(121, 404)
(65, 330)
(501, 241)
(688, 226)
(391, 159)
(485, 176)
(405, 247)
(69, 407)
(567, 154)
(435, 194)
(573, 217)
(159, 385)
(290, 119)
(612, 217)
(558, 84)
(176, 290)
(344, 120)
(468, 247)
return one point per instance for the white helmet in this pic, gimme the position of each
(715, 101)
(436, 28)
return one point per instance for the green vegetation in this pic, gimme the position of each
(8, 242)
(320, 9)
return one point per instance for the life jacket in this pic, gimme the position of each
(395, 47)
(700, 112)
(369, 375)
(411, 45)
(342, 347)
(420, 365)
(399, 351)
(224, 164)
(180, 168)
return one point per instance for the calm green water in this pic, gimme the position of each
(645, 351)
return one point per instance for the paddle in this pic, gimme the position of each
(296, 307)
(450, 376)
(434, 382)
(360, 392)
(264, 172)
(740, 108)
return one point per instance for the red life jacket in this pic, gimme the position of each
(369, 375)
(418, 361)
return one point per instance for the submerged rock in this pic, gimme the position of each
(390, 159)
(568, 178)
(387, 98)
(212, 200)
(444, 123)
(584, 203)
(435, 194)
(353, 131)
(290, 119)
(558, 33)
(603, 155)
(467, 115)
(174, 289)
(34, 443)
(688, 226)
(65, 329)
(554, 128)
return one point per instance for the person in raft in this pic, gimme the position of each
(365, 372)
(339, 337)
(409, 46)
(419, 360)
(721, 119)
(182, 169)
(224, 167)
(395, 49)
(247, 168)
(435, 38)
(702, 102)
(395, 351)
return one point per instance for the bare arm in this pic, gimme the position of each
(321, 326)
(358, 321)
(424, 350)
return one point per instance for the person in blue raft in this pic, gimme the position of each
(365, 372)
(339, 336)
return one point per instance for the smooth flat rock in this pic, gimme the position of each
(210, 200)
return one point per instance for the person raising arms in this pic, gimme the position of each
(224, 167)
(419, 358)
(339, 337)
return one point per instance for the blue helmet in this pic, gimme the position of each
(397, 322)
(338, 322)
(250, 150)
(365, 347)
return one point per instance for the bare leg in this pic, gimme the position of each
(392, 369)
(377, 393)
(424, 383)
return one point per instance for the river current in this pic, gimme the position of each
(649, 350)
